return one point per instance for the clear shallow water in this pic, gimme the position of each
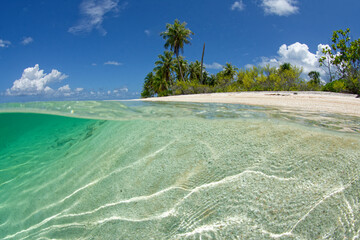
(132, 170)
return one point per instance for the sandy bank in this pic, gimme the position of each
(338, 103)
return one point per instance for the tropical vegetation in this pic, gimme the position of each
(174, 75)
(342, 62)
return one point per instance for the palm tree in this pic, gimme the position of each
(195, 70)
(148, 88)
(176, 36)
(165, 67)
(202, 64)
(229, 70)
(160, 85)
(181, 62)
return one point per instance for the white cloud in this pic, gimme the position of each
(214, 65)
(113, 63)
(280, 7)
(65, 88)
(35, 82)
(27, 40)
(93, 12)
(48, 90)
(299, 55)
(79, 89)
(120, 92)
(238, 5)
(147, 32)
(124, 89)
(4, 43)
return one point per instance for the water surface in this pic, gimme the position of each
(132, 170)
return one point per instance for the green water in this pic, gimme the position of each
(112, 170)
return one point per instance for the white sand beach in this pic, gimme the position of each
(348, 104)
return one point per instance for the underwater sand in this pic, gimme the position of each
(141, 170)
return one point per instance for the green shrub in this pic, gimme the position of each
(335, 86)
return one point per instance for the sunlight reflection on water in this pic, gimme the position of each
(134, 170)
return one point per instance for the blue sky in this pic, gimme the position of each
(68, 49)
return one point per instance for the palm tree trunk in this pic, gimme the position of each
(202, 61)
(182, 77)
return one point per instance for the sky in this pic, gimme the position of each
(103, 49)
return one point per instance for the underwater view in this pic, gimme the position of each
(140, 170)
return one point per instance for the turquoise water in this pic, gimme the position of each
(132, 170)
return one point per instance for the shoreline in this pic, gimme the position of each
(320, 102)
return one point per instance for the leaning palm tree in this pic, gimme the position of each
(176, 36)
(202, 64)
(165, 67)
